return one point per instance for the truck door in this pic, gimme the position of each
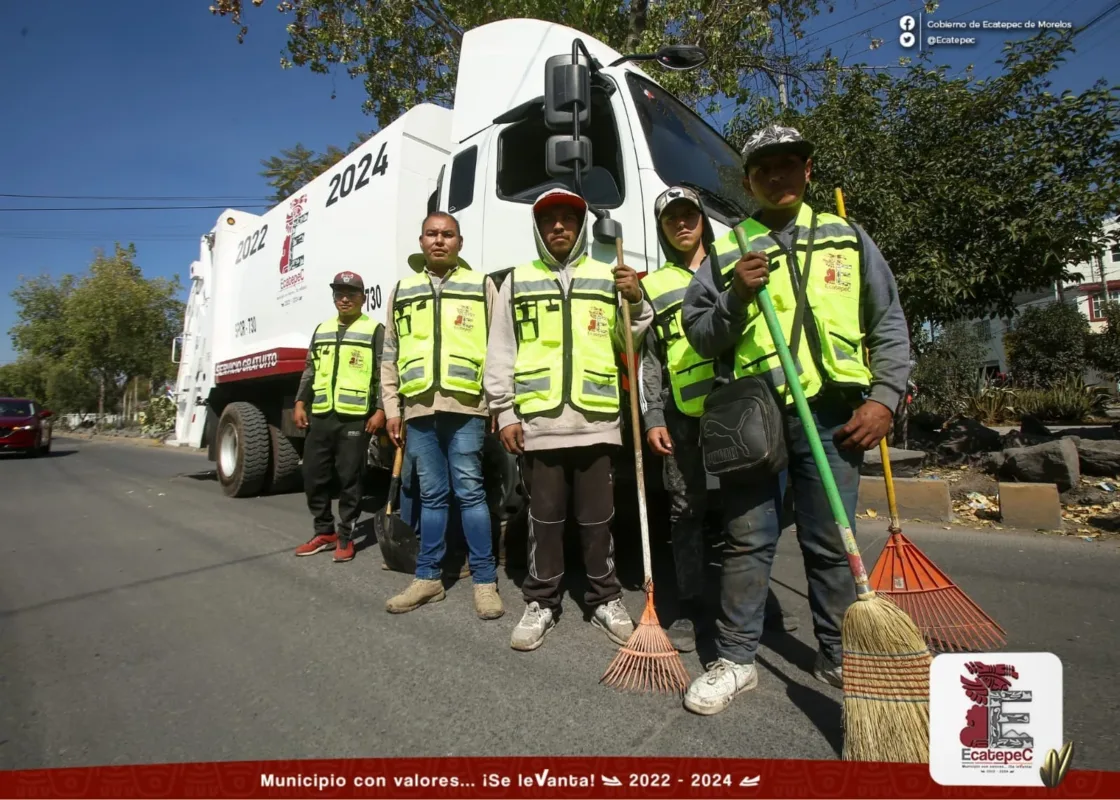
(516, 176)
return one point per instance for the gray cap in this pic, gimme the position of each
(775, 139)
(671, 195)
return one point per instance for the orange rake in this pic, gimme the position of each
(947, 617)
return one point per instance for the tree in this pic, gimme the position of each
(947, 369)
(1046, 345)
(297, 166)
(408, 53)
(121, 323)
(1103, 349)
(41, 330)
(23, 378)
(975, 190)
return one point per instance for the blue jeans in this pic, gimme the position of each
(752, 517)
(444, 446)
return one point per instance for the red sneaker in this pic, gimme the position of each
(323, 541)
(344, 552)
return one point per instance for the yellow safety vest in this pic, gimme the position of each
(344, 371)
(831, 346)
(565, 345)
(690, 374)
(441, 336)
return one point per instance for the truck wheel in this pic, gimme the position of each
(284, 468)
(244, 450)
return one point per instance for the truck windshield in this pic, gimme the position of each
(686, 149)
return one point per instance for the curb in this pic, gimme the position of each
(917, 498)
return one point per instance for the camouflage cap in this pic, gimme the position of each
(673, 194)
(775, 139)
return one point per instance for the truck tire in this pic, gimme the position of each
(244, 450)
(284, 466)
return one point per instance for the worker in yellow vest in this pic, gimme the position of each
(553, 381)
(833, 292)
(675, 381)
(431, 387)
(339, 388)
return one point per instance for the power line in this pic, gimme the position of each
(133, 208)
(1096, 19)
(848, 19)
(132, 197)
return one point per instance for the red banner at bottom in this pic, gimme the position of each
(525, 777)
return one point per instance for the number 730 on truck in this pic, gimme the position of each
(260, 284)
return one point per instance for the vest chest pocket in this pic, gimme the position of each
(414, 318)
(538, 321)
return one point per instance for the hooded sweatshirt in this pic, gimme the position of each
(653, 377)
(566, 427)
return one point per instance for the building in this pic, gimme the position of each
(1093, 284)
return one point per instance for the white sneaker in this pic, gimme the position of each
(614, 620)
(530, 631)
(713, 691)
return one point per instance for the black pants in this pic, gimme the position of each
(687, 485)
(585, 475)
(335, 444)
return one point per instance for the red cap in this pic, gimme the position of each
(559, 197)
(348, 280)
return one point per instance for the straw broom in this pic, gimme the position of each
(886, 661)
(648, 662)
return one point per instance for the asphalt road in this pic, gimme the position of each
(146, 618)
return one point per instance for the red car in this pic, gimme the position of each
(24, 427)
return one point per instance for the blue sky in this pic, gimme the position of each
(178, 108)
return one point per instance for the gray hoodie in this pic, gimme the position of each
(566, 427)
(714, 319)
(653, 378)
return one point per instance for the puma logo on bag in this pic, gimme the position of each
(736, 447)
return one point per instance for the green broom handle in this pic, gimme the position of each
(855, 561)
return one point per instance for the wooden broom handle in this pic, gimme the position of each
(635, 424)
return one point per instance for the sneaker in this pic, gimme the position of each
(614, 620)
(344, 552)
(682, 635)
(415, 595)
(828, 671)
(713, 691)
(487, 603)
(323, 541)
(530, 631)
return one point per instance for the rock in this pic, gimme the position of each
(1013, 439)
(1100, 458)
(966, 437)
(1054, 462)
(1032, 426)
(904, 463)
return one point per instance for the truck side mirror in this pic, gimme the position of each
(681, 57)
(565, 155)
(567, 93)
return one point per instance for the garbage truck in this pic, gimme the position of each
(259, 286)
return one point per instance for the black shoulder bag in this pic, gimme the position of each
(742, 429)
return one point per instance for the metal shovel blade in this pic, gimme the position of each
(400, 546)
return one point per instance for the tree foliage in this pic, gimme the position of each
(1103, 349)
(1047, 345)
(81, 334)
(297, 166)
(408, 53)
(975, 190)
(947, 368)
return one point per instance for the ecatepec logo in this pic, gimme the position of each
(994, 717)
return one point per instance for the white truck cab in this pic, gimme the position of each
(260, 285)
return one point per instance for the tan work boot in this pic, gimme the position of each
(417, 594)
(487, 602)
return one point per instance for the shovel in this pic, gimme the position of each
(398, 542)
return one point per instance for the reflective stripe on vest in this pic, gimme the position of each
(441, 336)
(690, 374)
(565, 344)
(831, 343)
(344, 371)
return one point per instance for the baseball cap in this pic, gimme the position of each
(673, 194)
(348, 280)
(559, 197)
(775, 139)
